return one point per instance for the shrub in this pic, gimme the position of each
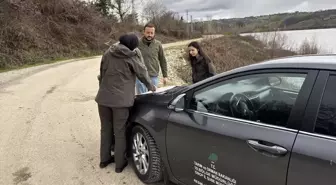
(308, 47)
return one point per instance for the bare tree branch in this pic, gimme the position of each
(154, 9)
(122, 7)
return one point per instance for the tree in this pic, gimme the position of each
(240, 24)
(153, 10)
(103, 6)
(131, 18)
(122, 7)
(168, 21)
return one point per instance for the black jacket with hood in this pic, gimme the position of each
(202, 68)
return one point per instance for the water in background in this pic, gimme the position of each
(325, 38)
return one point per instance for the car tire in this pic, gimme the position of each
(154, 172)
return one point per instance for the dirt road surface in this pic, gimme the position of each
(50, 129)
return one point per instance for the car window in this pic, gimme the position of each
(266, 98)
(326, 118)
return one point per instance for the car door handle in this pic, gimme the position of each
(275, 150)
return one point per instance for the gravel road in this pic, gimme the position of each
(50, 128)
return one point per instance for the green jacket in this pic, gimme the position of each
(154, 57)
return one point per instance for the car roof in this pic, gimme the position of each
(299, 61)
(322, 62)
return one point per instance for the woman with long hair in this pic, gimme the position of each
(202, 66)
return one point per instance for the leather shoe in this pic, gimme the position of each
(104, 164)
(119, 170)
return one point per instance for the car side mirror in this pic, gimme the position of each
(178, 103)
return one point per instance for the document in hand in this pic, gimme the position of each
(158, 90)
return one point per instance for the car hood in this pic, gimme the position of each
(162, 96)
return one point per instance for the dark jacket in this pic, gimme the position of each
(202, 68)
(154, 58)
(118, 70)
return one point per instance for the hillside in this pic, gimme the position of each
(281, 21)
(39, 31)
(36, 31)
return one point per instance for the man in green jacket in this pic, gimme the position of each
(154, 58)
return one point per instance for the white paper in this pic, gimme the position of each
(158, 90)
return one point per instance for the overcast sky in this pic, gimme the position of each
(242, 8)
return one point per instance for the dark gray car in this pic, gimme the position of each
(267, 123)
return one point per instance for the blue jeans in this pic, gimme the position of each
(141, 88)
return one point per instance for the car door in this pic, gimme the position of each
(215, 140)
(313, 159)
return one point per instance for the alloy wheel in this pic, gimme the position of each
(140, 153)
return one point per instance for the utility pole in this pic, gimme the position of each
(187, 24)
(187, 16)
(191, 24)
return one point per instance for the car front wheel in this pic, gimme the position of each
(146, 156)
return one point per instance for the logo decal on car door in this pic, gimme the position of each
(213, 157)
(210, 175)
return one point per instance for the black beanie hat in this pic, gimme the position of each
(131, 41)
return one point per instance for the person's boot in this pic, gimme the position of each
(106, 163)
(119, 170)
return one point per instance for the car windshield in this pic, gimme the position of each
(253, 84)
